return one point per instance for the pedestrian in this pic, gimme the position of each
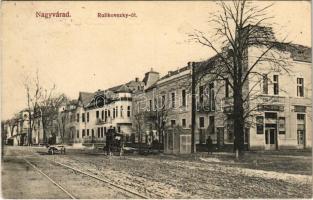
(209, 145)
(108, 140)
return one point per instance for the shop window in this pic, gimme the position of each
(301, 129)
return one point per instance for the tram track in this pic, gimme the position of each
(128, 193)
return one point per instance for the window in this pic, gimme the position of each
(83, 117)
(113, 113)
(173, 99)
(173, 122)
(201, 95)
(92, 133)
(265, 84)
(226, 88)
(201, 122)
(101, 131)
(183, 98)
(116, 111)
(118, 129)
(87, 116)
(87, 132)
(83, 132)
(105, 115)
(259, 124)
(102, 114)
(77, 133)
(97, 114)
(128, 111)
(109, 113)
(275, 85)
(163, 101)
(301, 129)
(300, 117)
(98, 132)
(121, 111)
(211, 96)
(183, 123)
(77, 117)
(300, 87)
(150, 105)
(281, 125)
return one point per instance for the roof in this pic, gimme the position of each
(123, 89)
(85, 97)
(298, 52)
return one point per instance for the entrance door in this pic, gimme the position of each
(270, 140)
(300, 136)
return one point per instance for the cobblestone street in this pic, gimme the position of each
(159, 176)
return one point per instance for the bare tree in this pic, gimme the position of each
(139, 120)
(237, 26)
(49, 107)
(33, 94)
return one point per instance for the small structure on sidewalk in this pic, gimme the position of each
(177, 141)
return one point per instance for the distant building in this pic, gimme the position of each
(18, 131)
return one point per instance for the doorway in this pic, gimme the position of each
(270, 138)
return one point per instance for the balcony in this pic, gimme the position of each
(205, 106)
(271, 99)
(101, 121)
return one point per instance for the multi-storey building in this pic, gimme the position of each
(280, 103)
(88, 119)
(18, 131)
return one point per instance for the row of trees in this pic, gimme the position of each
(43, 104)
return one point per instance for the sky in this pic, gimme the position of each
(87, 53)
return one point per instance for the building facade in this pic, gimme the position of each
(87, 120)
(279, 104)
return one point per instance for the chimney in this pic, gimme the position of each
(137, 79)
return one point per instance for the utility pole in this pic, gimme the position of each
(193, 107)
